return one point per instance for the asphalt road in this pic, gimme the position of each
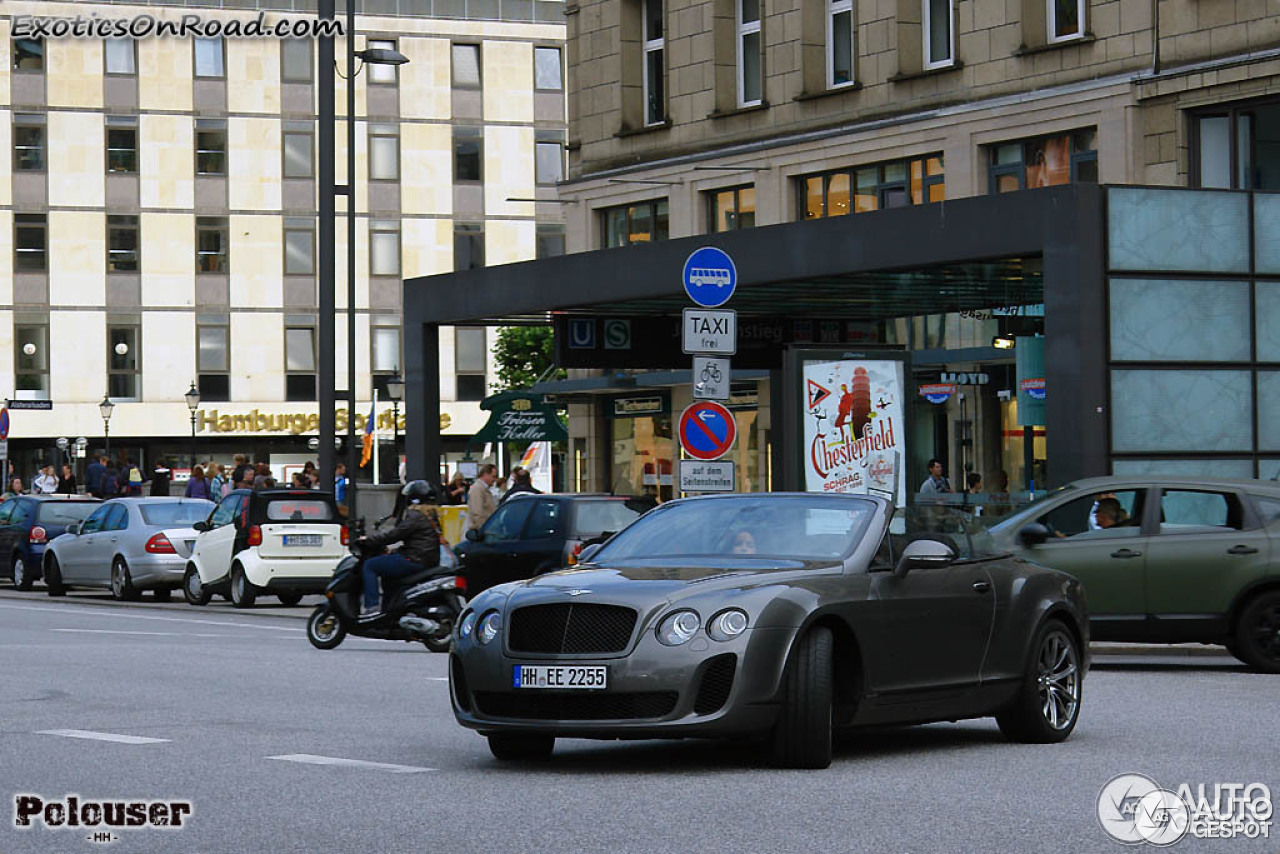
(226, 694)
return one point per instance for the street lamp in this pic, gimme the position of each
(105, 408)
(193, 403)
(395, 391)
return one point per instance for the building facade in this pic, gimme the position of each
(158, 215)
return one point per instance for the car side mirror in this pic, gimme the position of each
(1033, 534)
(474, 535)
(200, 526)
(923, 554)
(74, 529)
(589, 552)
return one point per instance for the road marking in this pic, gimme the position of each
(437, 678)
(152, 634)
(311, 759)
(85, 610)
(101, 736)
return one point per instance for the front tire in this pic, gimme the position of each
(243, 591)
(22, 578)
(53, 577)
(516, 748)
(324, 628)
(802, 735)
(1048, 703)
(1258, 633)
(192, 590)
(122, 589)
(289, 599)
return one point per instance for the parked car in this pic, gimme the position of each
(530, 534)
(780, 615)
(27, 524)
(284, 542)
(1166, 559)
(128, 545)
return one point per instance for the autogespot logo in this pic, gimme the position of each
(1133, 809)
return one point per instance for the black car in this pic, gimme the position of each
(27, 524)
(531, 534)
(782, 615)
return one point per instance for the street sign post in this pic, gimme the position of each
(710, 378)
(700, 476)
(713, 332)
(707, 430)
(709, 277)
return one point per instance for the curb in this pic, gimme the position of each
(299, 612)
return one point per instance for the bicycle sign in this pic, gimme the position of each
(710, 378)
(709, 277)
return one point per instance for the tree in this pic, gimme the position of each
(524, 354)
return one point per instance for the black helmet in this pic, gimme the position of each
(419, 492)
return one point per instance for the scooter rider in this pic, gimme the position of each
(417, 531)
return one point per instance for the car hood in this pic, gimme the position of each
(666, 579)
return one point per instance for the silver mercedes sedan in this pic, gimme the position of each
(128, 545)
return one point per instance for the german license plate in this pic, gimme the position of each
(560, 677)
(303, 540)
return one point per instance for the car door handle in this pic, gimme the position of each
(1242, 550)
(982, 586)
(1126, 553)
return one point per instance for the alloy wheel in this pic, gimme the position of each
(193, 585)
(1267, 632)
(117, 583)
(19, 572)
(1058, 680)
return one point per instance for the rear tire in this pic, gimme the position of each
(22, 578)
(289, 599)
(162, 594)
(322, 633)
(192, 590)
(802, 735)
(122, 589)
(53, 577)
(243, 591)
(1048, 703)
(1258, 633)
(516, 748)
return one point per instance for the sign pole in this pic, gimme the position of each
(707, 430)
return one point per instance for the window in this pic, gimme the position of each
(300, 360)
(733, 209)
(212, 244)
(31, 358)
(1269, 510)
(384, 248)
(28, 54)
(30, 234)
(507, 522)
(871, 188)
(211, 147)
(1237, 147)
(655, 99)
(121, 56)
(1044, 162)
(209, 58)
(841, 40)
(122, 244)
(470, 354)
(550, 240)
(295, 60)
(122, 144)
(544, 522)
(1103, 514)
(939, 33)
(123, 360)
(213, 362)
(299, 247)
(384, 351)
(468, 154)
(466, 66)
(1065, 19)
(384, 153)
(468, 246)
(299, 143)
(748, 23)
(28, 143)
(547, 74)
(643, 222)
(1188, 512)
(382, 73)
(548, 158)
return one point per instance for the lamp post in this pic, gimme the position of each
(193, 403)
(105, 409)
(395, 391)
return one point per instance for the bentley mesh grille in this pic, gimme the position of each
(570, 627)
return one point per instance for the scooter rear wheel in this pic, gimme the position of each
(324, 628)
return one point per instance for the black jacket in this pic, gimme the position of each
(518, 488)
(419, 536)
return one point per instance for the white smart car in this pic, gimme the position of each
(283, 542)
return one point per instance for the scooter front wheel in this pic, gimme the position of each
(324, 628)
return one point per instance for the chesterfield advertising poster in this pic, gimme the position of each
(854, 427)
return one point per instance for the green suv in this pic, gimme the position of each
(1165, 559)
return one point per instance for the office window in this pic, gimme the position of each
(643, 222)
(211, 147)
(547, 73)
(841, 41)
(733, 208)
(939, 33)
(748, 23)
(1066, 19)
(871, 188)
(122, 244)
(212, 244)
(549, 162)
(299, 144)
(1236, 147)
(384, 248)
(123, 360)
(470, 352)
(213, 359)
(384, 351)
(466, 66)
(120, 56)
(209, 57)
(28, 54)
(468, 246)
(384, 153)
(468, 154)
(295, 60)
(655, 99)
(1046, 161)
(550, 240)
(299, 248)
(122, 144)
(30, 234)
(382, 73)
(300, 362)
(29, 140)
(31, 359)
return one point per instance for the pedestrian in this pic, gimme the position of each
(242, 474)
(480, 501)
(161, 476)
(456, 491)
(67, 482)
(45, 483)
(310, 477)
(110, 481)
(197, 486)
(498, 487)
(340, 482)
(93, 476)
(936, 483)
(263, 479)
(522, 482)
(15, 488)
(217, 479)
(132, 480)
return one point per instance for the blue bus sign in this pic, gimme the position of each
(710, 277)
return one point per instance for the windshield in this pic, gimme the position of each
(818, 527)
(596, 517)
(184, 513)
(64, 512)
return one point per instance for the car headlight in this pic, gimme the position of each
(490, 627)
(727, 625)
(678, 628)
(467, 625)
